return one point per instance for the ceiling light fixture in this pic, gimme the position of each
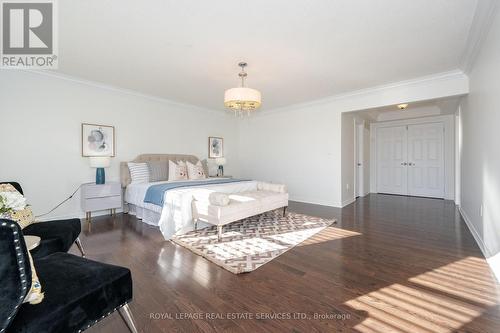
(402, 106)
(242, 99)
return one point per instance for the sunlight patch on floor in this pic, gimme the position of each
(329, 234)
(436, 301)
(295, 237)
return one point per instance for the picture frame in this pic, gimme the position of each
(98, 140)
(215, 147)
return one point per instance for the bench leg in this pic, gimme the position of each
(284, 211)
(219, 233)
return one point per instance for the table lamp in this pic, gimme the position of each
(100, 162)
(220, 162)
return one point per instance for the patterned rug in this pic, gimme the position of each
(250, 243)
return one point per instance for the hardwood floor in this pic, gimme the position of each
(390, 264)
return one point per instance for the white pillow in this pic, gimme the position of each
(177, 171)
(195, 171)
(280, 188)
(139, 172)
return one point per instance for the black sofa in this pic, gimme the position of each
(78, 292)
(56, 236)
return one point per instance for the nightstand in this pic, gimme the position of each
(101, 197)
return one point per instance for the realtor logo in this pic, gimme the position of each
(28, 34)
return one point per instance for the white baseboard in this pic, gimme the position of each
(473, 231)
(493, 260)
(319, 202)
(348, 201)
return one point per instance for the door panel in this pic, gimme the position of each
(426, 160)
(392, 174)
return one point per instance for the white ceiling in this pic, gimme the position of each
(187, 51)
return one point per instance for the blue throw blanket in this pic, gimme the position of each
(156, 193)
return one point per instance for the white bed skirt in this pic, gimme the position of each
(146, 215)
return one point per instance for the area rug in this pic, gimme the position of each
(250, 243)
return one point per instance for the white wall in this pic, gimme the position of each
(40, 138)
(480, 152)
(300, 148)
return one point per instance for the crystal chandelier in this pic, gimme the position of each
(242, 99)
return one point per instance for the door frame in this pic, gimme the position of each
(449, 149)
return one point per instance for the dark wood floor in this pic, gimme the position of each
(391, 264)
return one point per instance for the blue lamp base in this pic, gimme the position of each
(100, 176)
(220, 172)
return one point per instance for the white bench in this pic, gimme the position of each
(222, 208)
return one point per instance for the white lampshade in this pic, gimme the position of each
(100, 161)
(220, 161)
(242, 98)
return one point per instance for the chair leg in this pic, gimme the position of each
(127, 317)
(284, 211)
(80, 246)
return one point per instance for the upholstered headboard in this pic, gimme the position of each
(125, 173)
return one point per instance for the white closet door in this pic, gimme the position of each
(426, 160)
(392, 153)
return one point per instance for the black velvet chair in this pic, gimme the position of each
(56, 236)
(78, 292)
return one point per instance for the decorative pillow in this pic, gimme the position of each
(177, 171)
(7, 188)
(13, 206)
(280, 188)
(158, 171)
(139, 172)
(195, 171)
(35, 295)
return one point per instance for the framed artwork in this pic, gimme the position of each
(215, 147)
(98, 140)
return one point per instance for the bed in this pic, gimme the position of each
(172, 213)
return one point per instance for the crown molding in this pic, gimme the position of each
(450, 76)
(481, 24)
(119, 90)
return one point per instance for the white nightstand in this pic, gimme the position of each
(101, 197)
